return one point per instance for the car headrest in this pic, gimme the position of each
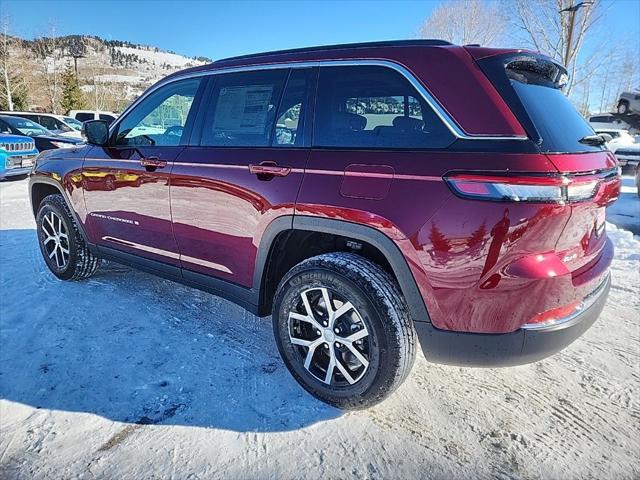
(349, 121)
(408, 123)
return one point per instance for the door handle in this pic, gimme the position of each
(268, 170)
(151, 163)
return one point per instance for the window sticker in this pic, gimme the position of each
(243, 109)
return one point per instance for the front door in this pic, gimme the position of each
(246, 171)
(126, 185)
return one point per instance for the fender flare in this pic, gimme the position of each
(367, 234)
(38, 180)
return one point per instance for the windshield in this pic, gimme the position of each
(72, 122)
(26, 127)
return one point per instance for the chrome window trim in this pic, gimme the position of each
(442, 114)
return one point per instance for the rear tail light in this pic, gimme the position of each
(526, 188)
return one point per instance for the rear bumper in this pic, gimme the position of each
(508, 349)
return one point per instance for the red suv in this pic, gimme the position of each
(368, 197)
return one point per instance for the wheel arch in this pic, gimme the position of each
(40, 188)
(384, 250)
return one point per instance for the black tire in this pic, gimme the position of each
(623, 107)
(390, 346)
(80, 262)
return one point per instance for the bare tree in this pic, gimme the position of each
(49, 54)
(102, 93)
(466, 22)
(560, 28)
(13, 87)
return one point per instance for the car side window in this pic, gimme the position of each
(291, 113)
(107, 118)
(46, 122)
(160, 119)
(242, 109)
(374, 107)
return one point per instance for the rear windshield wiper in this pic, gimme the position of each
(593, 140)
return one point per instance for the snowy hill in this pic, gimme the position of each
(110, 72)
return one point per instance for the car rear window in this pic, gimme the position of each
(83, 117)
(532, 87)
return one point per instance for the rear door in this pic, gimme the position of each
(245, 172)
(126, 185)
(375, 139)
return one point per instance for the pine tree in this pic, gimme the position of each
(72, 96)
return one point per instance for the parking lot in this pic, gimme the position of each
(128, 375)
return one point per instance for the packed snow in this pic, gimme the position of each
(130, 376)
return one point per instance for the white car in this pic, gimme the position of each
(59, 124)
(84, 115)
(607, 121)
(623, 145)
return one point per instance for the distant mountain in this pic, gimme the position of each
(110, 72)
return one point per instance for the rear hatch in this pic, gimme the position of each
(531, 85)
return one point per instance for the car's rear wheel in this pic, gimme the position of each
(623, 107)
(63, 248)
(343, 330)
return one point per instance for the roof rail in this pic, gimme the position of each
(389, 43)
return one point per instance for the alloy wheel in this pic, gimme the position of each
(331, 337)
(56, 240)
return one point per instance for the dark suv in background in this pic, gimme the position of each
(368, 197)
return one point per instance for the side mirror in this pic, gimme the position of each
(607, 138)
(96, 132)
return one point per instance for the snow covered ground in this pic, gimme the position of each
(130, 376)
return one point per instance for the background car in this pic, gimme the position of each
(607, 121)
(623, 145)
(58, 124)
(43, 138)
(629, 102)
(17, 155)
(84, 115)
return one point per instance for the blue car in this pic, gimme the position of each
(17, 155)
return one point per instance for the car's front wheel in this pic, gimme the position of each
(344, 330)
(63, 248)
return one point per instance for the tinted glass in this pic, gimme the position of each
(557, 121)
(5, 128)
(531, 86)
(160, 119)
(374, 107)
(107, 118)
(83, 117)
(26, 127)
(53, 123)
(242, 109)
(75, 124)
(290, 117)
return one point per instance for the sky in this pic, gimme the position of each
(218, 29)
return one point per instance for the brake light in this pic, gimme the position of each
(524, 188)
